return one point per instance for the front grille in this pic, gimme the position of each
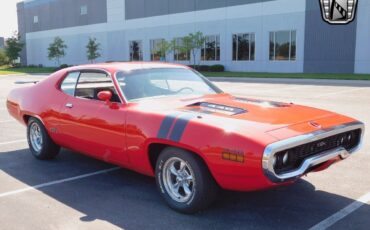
(291, 159)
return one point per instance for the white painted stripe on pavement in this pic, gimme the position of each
(338, 92)
(12, 142)
(6, 121)
(57, 182)
(330, 221)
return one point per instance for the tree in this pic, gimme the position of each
(93, 48)
(3, 58)
(56, 50)
(192, 43)
(162, 49)
(13, 48)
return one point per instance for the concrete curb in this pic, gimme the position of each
(329, 82)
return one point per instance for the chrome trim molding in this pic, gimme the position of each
(272, 149)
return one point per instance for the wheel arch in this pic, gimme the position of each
(27, 117)
(155, 148)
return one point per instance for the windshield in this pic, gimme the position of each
(145, 83)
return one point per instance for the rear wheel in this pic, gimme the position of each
(184, 181)
(41, 145)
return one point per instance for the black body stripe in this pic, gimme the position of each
(166, 125)
(181, 123)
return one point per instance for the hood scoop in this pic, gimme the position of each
(209, 108)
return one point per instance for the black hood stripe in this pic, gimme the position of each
(166, 125)
(180, 125)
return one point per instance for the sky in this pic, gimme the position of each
(8, 17)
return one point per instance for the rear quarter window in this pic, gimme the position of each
(68, 85)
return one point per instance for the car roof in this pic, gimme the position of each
(127, 66)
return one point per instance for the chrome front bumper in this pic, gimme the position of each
(272, 149)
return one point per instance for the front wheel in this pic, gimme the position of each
(184, 181)
(41, 145)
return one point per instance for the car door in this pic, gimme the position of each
(89, 125)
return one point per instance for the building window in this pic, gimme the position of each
(155, 53)
(179, 53)
(136, 51)
(35, 19)
(283, 46)
(83, 10)
(243, 47)
(211, 48)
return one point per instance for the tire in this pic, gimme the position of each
(202, 187)
(41, 145)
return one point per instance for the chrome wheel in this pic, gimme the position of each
(36, 137)
(178, 179)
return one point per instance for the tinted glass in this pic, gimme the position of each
(252, 47)
(283, 45)
(179, 53)
(235, 47)
(69, 83)
(155, 49)
(282, 42)
(211, 49)
(293, 46)
(136, 51)
(243, 47)
(272, 46)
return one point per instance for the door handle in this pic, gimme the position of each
(69, 105)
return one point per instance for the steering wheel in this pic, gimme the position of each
(185, 88)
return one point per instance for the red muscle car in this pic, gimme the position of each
(169, 122)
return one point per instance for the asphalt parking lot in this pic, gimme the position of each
(77, 192)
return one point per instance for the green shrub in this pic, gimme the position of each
(204, 68)
(200, 68)
(17, 65)
(207, 68)
(217, 68)
(63, 66)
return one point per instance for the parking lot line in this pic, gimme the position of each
(57, 182)
(6, 121)
(275, 89)
(330, 221)
(337, 92)
(12, 142)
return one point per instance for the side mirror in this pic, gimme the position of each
(105, 96)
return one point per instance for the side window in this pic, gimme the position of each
(91, 83)
(68, 85)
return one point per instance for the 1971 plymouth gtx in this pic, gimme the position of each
(168, 121)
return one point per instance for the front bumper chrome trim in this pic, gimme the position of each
(272, 149)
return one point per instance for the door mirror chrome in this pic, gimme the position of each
(105, 96)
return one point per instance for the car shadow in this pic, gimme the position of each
(131, 201)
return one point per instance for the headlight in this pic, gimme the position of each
(274, 160)
(286, 158)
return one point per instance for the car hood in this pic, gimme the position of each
(246, 115)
